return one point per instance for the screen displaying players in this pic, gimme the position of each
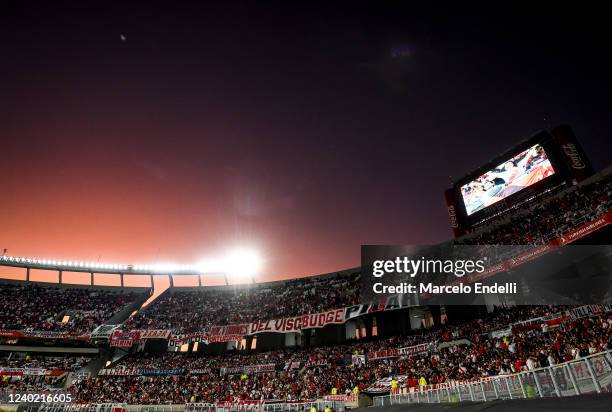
(515, 174)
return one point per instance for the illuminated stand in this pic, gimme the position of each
(240, 263)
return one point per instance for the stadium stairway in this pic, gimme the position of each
(125, 313)
(152, 300)
(92, 368)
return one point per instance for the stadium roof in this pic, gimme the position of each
(102, 267)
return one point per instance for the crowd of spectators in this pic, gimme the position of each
(300, 375)
(48, 308)
(31, 361)
(197, 309)
(33, 383)
(544, 221)
(527, 348)
(309, 373)
(20, 372)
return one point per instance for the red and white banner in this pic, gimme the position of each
(244, 404)
(317, 362)
(120, 372)
(540, 250)
(264, 368)
(182, 339)
(122, 343)
(531, 254)
(560, 317)
(599, 364)
(341, 398)
(224, 338)
(296, 324)
(228, 333)
(41, 334)
(124, 339)
(412, 350)
(205, 371)
(153, 333)
(292, 365)
(337, 316)
(11, 334)
(384, 385)
(285, 325)
(589, 310)
(384, 354)
(501, 333)
(395, 353)
(585, 229)
(23, 371)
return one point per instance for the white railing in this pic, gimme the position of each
(268, 407)
(592, 374)
(196, 407)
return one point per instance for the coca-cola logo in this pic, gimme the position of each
(572, 153)
(452, 217)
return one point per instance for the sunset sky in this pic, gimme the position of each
(171, 133)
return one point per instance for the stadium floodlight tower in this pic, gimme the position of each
(239, 263)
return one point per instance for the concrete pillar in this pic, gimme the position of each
(306, 338)
(121, 278)
(435, 314)
(368, 322)
(491, 301)
(59, 277)
(171, 281)
(404, 317)
(350, 328)
(415, 318)
(91, 278)
(28, 275)
(290, 340)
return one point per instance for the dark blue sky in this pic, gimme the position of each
(296, 129)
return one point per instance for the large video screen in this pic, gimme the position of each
(515, 174)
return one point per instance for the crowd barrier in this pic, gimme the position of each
(338, 406)
(591, 374)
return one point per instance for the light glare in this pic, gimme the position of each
(243, 262)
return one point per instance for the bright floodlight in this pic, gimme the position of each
(243, 263)
(212, 266)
